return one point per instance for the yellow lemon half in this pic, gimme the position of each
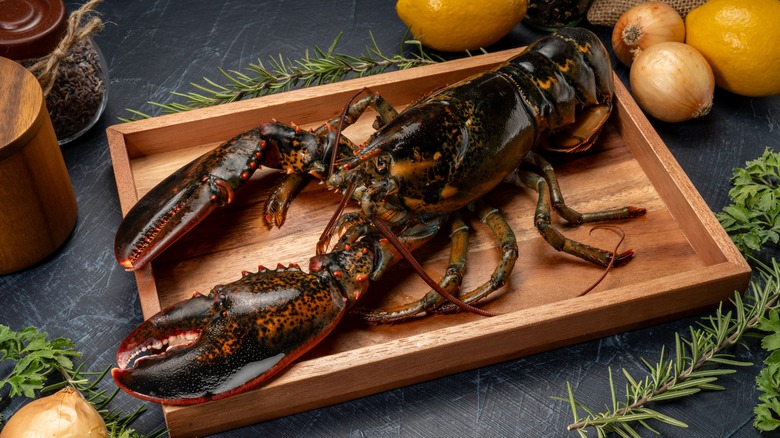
(458, 25)
(741, 41)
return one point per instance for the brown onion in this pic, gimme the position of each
(644, 25)
(672, 82)
(64, 414)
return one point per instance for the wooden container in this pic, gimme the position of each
(684, 260)
(38, 204)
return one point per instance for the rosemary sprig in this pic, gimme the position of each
(321, 67)
(698, 362)
(751, 220)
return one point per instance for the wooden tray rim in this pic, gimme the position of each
(726, 267)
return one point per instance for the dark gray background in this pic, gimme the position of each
(154, 47)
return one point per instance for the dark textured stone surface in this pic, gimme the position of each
(154, 47)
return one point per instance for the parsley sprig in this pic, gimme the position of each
(33, 359)
(768, 381)
(753, 222)
(753, 218)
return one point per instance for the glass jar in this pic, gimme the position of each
(30, 30)
(551, 15)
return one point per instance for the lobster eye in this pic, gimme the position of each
(381, 165)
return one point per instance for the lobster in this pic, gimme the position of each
(417, 173)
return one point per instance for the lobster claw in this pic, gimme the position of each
(182, 200)
(168, 212)
(213, 346)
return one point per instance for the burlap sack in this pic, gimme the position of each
(607, 12)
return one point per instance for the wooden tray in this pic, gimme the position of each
(684, 260)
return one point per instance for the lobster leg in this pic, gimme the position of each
(572, 216)
(509, 252)
(542, 220)
(291, 184)
(385, 112)
(459, 234)
(280, 197)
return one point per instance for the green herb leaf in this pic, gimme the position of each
(773, 358)
(770, 323)
(768, 411)
(771, 342)
(34, 358)
(753, 218)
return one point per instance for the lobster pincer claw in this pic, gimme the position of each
(231, 340)
(186, 197)
(156, 222)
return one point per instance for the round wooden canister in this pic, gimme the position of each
(37, 203)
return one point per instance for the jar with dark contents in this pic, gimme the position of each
(551, 15)
(32, 32)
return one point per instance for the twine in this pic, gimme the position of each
(47, 67)
(607, 12)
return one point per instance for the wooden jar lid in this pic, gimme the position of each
(31, 28)
(22, 107)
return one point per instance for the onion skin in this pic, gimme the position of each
(644, 25)
(64, 414)
(672, 82)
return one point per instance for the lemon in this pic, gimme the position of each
(458, 25)
(741, 41)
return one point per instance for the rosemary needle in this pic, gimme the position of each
(690, 370)
(316, 68)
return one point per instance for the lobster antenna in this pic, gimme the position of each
(391, 237)
(611, 263)
(340, 128)
(322, 243)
